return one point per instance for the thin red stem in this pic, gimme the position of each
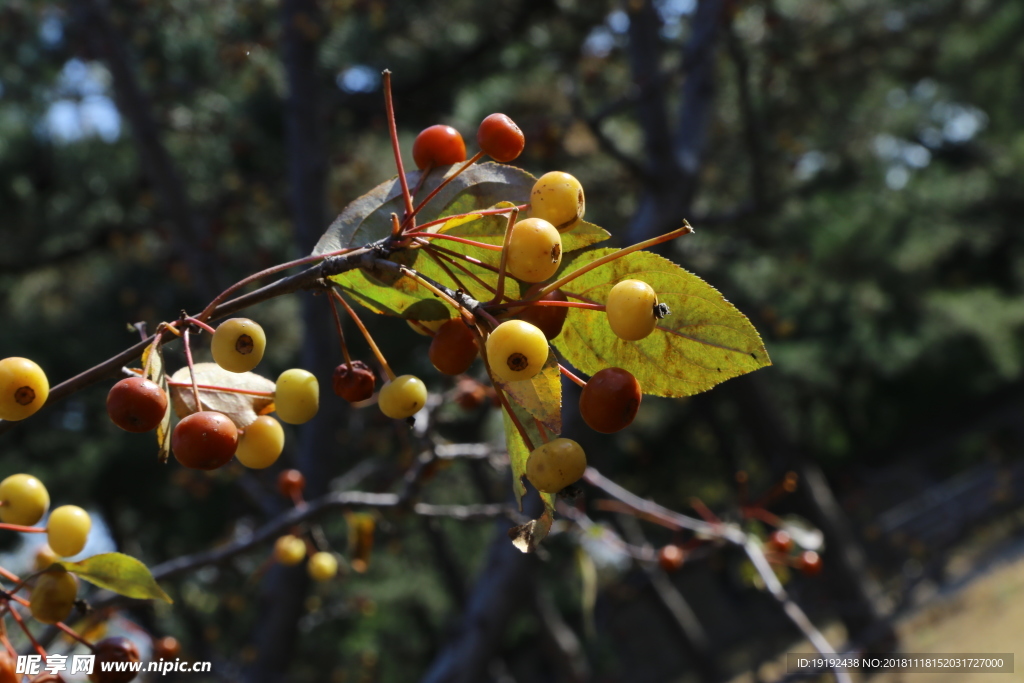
(191, 368)
(443, 266)
(486, 212)
(73, 634)
(515, 418)
(453, 238)
(454, 254)
(24, 529)
(568, 373)
(541, 429)
(522, 303)
(24, 627)
(433, 193)
(704, 511)
(341, 332)
(504, 256)
(464, 269)
(423, 177)
(685, 230)
(201, 324)
(226, 390)
(366, 333)
(389, 106)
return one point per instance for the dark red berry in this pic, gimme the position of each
(354, 383)
(136, 404)
(610, 400)
(671, 558)
(438, 146)
(167, 647)
(291, 483)
(780, 541)
(205, 440)
(114, 650)
(500, 138)
(549, 319)
(453, 349)
(810, 563)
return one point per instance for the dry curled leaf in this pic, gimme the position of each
(242, 409)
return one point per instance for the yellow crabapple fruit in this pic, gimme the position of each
(402, 397)
(516, 350)
(297, 396)
(630, 309)
(23, 500)
(534, 250)
(238, 344)
(261, 443)
(554, 465)
(23, 388)
(557, 197)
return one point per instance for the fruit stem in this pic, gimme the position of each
(704, 511)
(568, 373)
(200, 324)
(453, 238)
(540, 428)
(396, 227)
(444, 266)
(685, 230)
(423, 177)
(455, 216)
(24, 529)
(433, 193)
(341, 332)
(366, 333)
(433, 251)
(504, 255)
(389, 106)
(227, 390)
(759, 513)
(24, 627)
(523, 303)
(454, 254)
(191, 368)
(511, 413)
(70, 632)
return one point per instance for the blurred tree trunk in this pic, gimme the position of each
(284, 589)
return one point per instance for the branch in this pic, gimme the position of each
(307, 279)
(733, 535)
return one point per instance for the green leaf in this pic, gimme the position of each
(540, 396)
(518, 452)
(119, 573)
(702, 342)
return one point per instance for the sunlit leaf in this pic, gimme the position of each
(242, 409)
(541, 395)
(705, 340)
(156, 371)
(519, 453)
(119, 573)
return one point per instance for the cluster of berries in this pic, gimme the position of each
(517, 349)
(24, 501)
(290, 549)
